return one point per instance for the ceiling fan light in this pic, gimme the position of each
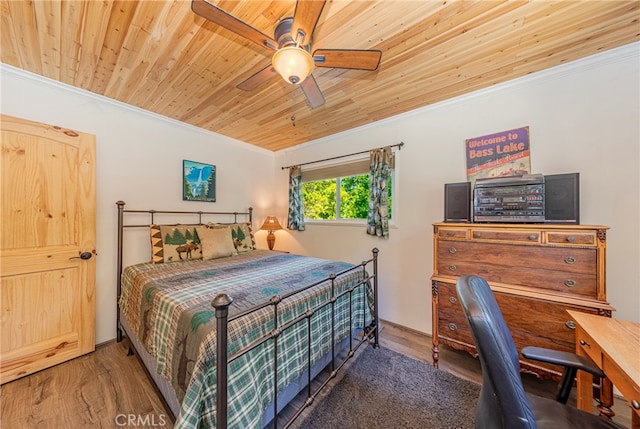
(293, 64)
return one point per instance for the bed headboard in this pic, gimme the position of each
(128, 218)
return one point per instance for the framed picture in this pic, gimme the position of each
(198, 181)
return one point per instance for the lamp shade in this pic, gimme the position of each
(292, 63)
(271, 224)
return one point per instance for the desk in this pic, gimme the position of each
(614, 345)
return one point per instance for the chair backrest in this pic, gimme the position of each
(502, 403)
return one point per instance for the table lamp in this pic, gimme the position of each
(271, 224)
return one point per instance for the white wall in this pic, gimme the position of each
(139, 160)
(583, 117)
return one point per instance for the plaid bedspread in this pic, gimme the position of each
(169, 307)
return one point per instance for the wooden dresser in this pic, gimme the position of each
(537, 272)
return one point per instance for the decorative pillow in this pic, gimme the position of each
(175, 243)
(241, 234)
(253, 239)
(157, 254)
(216, 242)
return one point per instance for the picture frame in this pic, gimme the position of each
(198, 181)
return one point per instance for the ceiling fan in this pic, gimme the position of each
(293, 37)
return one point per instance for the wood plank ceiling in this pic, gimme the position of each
(160, 56)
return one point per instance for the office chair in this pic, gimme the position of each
(503, 402)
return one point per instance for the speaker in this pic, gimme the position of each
(457, 202)
(562, 198)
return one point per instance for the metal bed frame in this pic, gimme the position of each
(221, 305)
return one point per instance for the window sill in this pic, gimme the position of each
(344, 222)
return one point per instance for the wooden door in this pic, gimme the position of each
(47, 252)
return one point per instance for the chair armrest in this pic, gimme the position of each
(565, 359)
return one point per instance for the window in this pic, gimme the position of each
(338, 191)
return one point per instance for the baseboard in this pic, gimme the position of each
(403, 328)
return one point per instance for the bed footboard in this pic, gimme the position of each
(221, 304)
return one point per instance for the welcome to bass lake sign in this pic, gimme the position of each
(497, 155)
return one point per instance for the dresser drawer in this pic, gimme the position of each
(576, 238)
(452, 253)
(532, 322)
(452, 323)
(444, 232)
(540, 323)
(448, 299)
(455, 327)
(577, 284)
(520, 236)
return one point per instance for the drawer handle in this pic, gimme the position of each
(570, 283)
(533, 237)
(450, 234)
(452, 250)
(476, 235)
(452, 268)
(570, 324)
(452, 299)
(569, 259)
(452, 326)
(584, 343)
(571, 239)
(635, 404)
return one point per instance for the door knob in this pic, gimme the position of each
(84, 256)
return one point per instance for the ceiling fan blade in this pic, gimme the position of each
(348, 58)
(312, 91)
(305, 19)
(257, 79)
(218, 16)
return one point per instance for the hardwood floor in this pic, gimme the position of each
(99, 390)
(108, 389)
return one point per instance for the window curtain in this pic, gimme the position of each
(380, 164)
(295, 219)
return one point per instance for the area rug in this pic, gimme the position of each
(385, 389)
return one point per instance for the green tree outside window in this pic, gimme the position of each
(321, 197)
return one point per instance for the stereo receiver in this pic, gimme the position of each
(518, 199)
